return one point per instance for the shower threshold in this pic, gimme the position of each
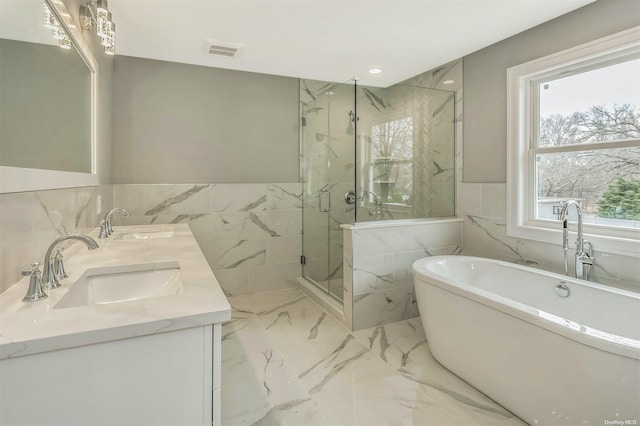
(326, 301)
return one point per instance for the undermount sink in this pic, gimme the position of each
(145, 234)
(124, 283)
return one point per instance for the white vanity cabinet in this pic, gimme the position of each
(161, 379)
(148, 361)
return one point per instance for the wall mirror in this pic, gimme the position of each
(48, 95)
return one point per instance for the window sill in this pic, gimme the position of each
(602, 243)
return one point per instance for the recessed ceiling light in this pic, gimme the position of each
(375, 71)
(448, 82)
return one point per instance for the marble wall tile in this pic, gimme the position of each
(233, 253)
(402, 267)
(391, 240)
(238, 197)
(382, 307)
(483, 206)
(443, 196)
(317, 270)
(277, 223)
(55, 211)
(335, 268)
(381, 264)
(348, 308)
(284, 196)
(347, 244)
(284, 249)
(30, 221)
(176, 199)
(246, 231)
(372, 274)
(347, 267)
(274, 276)
(17, 237)
(491, 233)
(629, 269)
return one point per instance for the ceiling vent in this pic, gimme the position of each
(221, 48)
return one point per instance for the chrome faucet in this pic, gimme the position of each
(583, 258)
(49, 277)
(376, 201)
(105, 226)
(35, 291)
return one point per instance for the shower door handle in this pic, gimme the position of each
(350, 197)
(320, 192)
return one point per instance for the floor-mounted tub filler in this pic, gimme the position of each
(552, 349)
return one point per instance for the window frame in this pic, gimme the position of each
(370, 158)
(522, 133)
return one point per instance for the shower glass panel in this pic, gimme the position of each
(405, 152)
(392, 149)
(328, 171)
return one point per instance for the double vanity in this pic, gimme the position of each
(132, 336)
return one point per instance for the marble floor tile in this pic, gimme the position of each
(264, 303)
(301, 322)
(404, 347)
(262, 389)
(285, 361)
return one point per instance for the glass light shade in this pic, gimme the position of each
(86, 17)
(103, 22)
(109, 38)
(50, 20)
(58, 33)
(65, 43)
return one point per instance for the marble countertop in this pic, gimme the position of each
(29, 328)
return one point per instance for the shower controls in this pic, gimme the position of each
(350, 197)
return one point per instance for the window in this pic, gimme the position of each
(391, 161)
(574, 133)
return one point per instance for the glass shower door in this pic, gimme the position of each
(328, 172)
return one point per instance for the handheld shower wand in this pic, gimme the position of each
(565, 245)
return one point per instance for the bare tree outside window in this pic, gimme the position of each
(586, 174)
(391, 160)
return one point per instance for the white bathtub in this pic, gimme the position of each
(550, 360)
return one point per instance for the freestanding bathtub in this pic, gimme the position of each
(505, 329)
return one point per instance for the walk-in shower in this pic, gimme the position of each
(370, 154)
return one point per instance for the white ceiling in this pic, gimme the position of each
(332, 40)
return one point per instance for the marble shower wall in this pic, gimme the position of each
(249, 233)
(30, 221)
(377, 260)
(378, 277)
(484, 207)
(430, 147)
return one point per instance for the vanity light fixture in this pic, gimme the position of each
(58, 32)
(95, 14)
